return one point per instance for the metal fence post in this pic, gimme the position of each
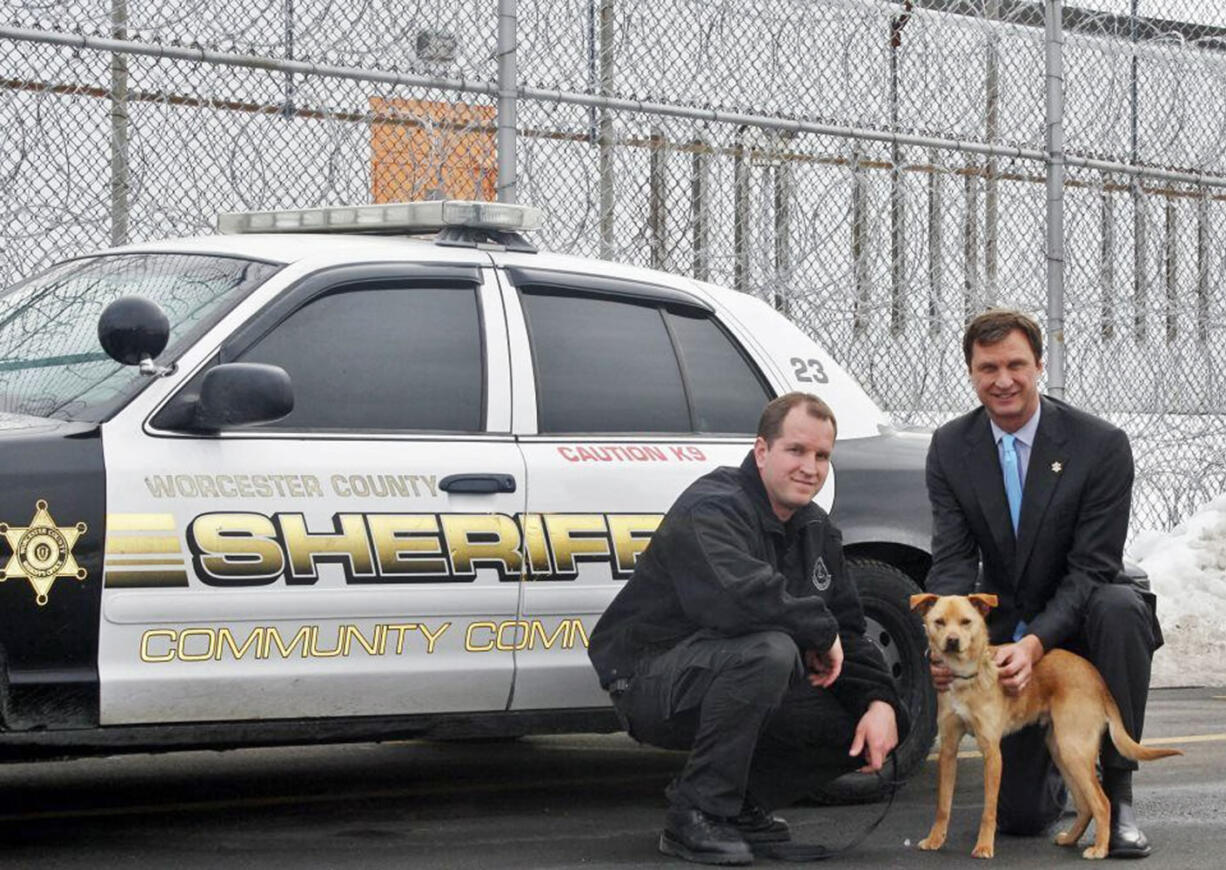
(972, 293)
(859, 244)
(1054, 44)
(1140, 232)
(1170, 272)
(783, 232)
(1140, 263)
(1106, 268)
(119, 128)
(699, 183)
(657, 199)
(287, 110)
(897, 211)
(991, 196)
(507, 88)
(606, 131)
(898, 248)
(935, 241)
(740, 213)
(1202, 265)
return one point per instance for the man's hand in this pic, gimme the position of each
(1016, 661)
(941, 675)
(824, 667)
(876, 735)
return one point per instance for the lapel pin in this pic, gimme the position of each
(1057, 467)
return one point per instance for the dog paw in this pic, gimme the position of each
(1065, 838)
(983, 850)
(1094, 852)
(931, 843)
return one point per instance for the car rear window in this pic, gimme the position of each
(608, 364)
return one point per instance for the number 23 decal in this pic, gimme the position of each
(809, 371)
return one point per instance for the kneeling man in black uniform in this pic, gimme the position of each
(740, 637)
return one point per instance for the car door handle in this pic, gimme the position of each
(478, 483)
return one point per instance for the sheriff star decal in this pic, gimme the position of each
(42, 552)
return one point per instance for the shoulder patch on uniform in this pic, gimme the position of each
(821, 575)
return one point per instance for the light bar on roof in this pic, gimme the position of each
(405, 217)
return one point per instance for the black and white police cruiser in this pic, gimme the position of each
(371, 472)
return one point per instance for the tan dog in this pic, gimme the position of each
(1065, 690)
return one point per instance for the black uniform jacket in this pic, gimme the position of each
(1071, 532)
(714, 565)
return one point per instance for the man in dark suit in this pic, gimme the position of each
(1038, 494)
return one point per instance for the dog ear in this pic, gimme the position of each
(922, 602)
(983, 602)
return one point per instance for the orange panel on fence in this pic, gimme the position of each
(421, 149)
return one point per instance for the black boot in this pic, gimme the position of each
(701, 837)
(1127, 840)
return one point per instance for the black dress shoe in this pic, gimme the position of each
(1127, 840)
(703, 838)
(758, 826)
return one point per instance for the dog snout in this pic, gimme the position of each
(952, 644)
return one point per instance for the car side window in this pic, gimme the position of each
(606, 364)
(381, 359)
(726, 393)
(603, 366)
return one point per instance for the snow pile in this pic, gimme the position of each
(1187, 569)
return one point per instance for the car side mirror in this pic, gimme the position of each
(133, 331)
(242, 394)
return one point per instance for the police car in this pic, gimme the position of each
(373, 472)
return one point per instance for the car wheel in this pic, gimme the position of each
(885, 593)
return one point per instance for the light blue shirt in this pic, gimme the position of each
(1023, 441)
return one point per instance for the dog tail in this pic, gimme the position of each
(1128, 747)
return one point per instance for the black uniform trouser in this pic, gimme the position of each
(753, 725)
(1119, 637)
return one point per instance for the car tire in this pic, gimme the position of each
(885, 593)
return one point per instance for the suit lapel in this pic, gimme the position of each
(1047, 458)
(984, 466)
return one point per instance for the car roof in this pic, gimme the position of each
(320, 250)
(289, 248)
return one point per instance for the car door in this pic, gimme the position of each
(333, 562)
(638, 390)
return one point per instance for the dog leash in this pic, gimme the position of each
(802, 852)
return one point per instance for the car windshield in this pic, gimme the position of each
(51, 364)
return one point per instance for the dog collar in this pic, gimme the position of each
(967, 677)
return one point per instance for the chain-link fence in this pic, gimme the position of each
(876, 170)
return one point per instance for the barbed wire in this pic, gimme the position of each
(899, 189)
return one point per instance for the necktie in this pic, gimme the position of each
(1013, 480)
(1013, 491)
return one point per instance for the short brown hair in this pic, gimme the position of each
(995, 324)
(770, 424)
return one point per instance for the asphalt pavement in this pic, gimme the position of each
(540, 802)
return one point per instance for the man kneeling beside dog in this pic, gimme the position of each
(1037, 493)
